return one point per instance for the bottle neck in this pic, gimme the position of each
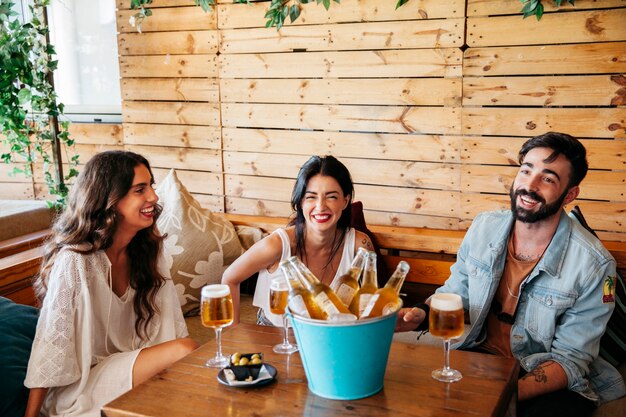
(370, 275)
(308, 278)
(292, 279)
(397, 279)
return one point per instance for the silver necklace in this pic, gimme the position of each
(506, 282)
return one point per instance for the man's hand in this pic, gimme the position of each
(409, 319)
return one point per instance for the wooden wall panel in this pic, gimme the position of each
(499, 7)
(583, 26)
(7, 175)
(563, 73)
(589, 58)
(579, 90)
(156, 4)
(503, 151)
(196, 182)
(97, 133)
(429, 132)
(232, 15)
(443, 33)
(170, 92)
(381, 91)
(170, 89)
(377, 198)
(178, 158)
(430, 120)
(429, 148)
(588, 122)
(364, 171)
(181, 113)
(181, 136)
(168, 66)
(180, 42)
(17, 190)
(358, 64)
(169, 19)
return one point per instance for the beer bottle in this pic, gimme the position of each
(387, 299)
(325, 298)
(369, 285)
(301, 300)
(346, 285)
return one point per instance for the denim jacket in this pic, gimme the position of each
(560, 314)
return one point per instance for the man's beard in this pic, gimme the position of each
(546, 210)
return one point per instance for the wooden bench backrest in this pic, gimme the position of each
(430, 252)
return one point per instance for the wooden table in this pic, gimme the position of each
(488, 387)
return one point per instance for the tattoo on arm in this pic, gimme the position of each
(367, 244)
(539, 374)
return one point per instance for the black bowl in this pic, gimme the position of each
(244, 371)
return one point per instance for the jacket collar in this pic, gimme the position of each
(552, 260)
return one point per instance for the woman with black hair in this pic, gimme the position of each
(319, 234)
(109, 320)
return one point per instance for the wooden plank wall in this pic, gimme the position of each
(378, 88)
(427, 105)
(170, 92)
(521, 77)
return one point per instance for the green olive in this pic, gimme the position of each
(235, 358)
(255, 356)
(255, 361)
(243, 361)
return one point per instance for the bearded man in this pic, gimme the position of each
(532, 281)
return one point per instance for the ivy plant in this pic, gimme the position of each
(29, 109)
(534, 7)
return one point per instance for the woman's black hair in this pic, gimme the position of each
(328, 166)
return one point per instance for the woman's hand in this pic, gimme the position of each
(409, 318)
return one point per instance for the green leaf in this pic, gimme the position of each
(326, 4)
(294, 12)
(539, 11)
(528, 9)
(403, 2)
(24, 96)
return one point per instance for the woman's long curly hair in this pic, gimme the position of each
(91, 217)
(328, 166)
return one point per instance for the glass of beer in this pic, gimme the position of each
(279, 292)
(446, 320)
(217, 312)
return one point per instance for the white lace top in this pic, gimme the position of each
(86, 345)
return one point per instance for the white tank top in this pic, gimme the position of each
(262, 292)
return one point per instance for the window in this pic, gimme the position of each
(87, 81)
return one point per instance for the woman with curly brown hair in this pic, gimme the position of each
(109, 319)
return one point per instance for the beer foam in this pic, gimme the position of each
(446, 302)
(215, 291)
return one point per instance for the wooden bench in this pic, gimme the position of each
(20, 258)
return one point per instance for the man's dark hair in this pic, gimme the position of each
(560, 143)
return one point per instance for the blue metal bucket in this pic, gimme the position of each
(344, 361)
